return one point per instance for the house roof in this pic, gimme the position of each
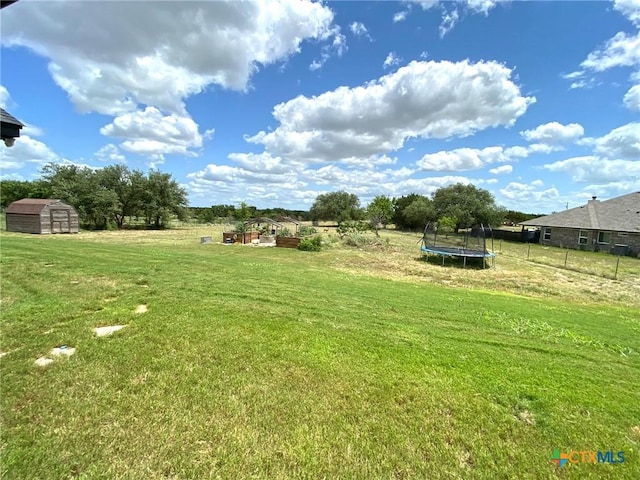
(620, 214)
(6, 117)
(30, 206)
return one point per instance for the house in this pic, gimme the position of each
(41, 215)
(607, 226)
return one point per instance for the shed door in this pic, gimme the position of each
(60, 221)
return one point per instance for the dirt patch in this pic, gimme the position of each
(43, 361)
(141, 309)
(2, 354)
(105, 331)
(526, 417)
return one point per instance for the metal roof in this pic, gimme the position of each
(6, 117)
(267, 220)
(30, 206)
(620, 214)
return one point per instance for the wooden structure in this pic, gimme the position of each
(288, 242)
(10, 127)
(41, 215)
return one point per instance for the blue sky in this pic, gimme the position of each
(273, 103)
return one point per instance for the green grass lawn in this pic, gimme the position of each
(275, 363)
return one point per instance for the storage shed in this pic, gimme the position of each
(41, 215)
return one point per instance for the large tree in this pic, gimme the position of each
(418, 213)
(12, 190)
(128, 186)
(339, 206)
(163, 197)
(467, 205)
(399, 205)
(380, 211)
(80, 187)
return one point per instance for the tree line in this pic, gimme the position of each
(457, 206)
(109, 196)
(106, 197)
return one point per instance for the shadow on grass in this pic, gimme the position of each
(456, 262)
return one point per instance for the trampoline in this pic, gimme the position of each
(470, 244)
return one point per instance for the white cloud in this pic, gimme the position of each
(620, 143)
(337, 47)
(631, 99)
(110, 153)
(528, 195)
(377, 117)
(623, 50)
(502, 169)
(28, 150)
(596, 170)
(121, 61)
(483, 6)
(358, 28)
(149, 132)
(630, 9)
(449, 20)
(450, 15)
(451, 161)
(461, 159)
(392, 60)
(400, 16)
(4, 97)
(554, 133)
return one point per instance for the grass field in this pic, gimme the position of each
(274, 363)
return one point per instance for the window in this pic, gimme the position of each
(583, 237)
(604, 237)
(547, 233)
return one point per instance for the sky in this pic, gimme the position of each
(275, 102)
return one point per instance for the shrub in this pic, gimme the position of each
(312, 244)
(285, 232)
(305, 230)
(346, 228)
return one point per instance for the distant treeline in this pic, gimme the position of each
(230, 213)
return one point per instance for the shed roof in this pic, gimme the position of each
(620, 214)
(30, 206)
(6, 117)
(258, 220)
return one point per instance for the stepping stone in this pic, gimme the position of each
(104, 331)
(141, 309)
(43, 361)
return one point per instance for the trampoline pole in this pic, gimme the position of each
(464, 262)
(443, 260)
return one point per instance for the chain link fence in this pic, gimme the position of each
(600, 264)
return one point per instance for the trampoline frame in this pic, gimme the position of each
(459, 252)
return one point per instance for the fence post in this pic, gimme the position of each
(615, 276)
(528, 250)
(565, 258)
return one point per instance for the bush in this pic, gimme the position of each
(312, 244)
(346, 228)
(304, 231)
(285, 232)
